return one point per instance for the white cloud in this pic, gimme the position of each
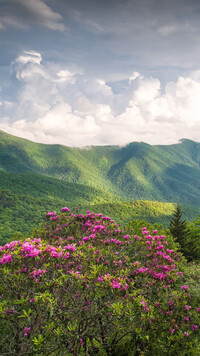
(28, 65)
(29, 56)
(65, 76)
(134, 76)
(56, 105)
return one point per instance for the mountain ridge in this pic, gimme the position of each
(135, 171)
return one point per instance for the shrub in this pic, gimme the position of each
(82, 286)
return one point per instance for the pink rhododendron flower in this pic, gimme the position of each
(136, 263)
(85, 238)
(170, 312)
(160, 247)
(125, 286)
(169, 251)
(187, 307)
(70, 247)
(116, 284)
(126, 237)
(141, 270)
(100, 279)
(186, 333)
(26, 331)
(50, 213)
(66, 209)
(157, 305)
(166, 268)
(81, 342)
(6, 259)
(9, 311)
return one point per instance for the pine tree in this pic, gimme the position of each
(180, 232)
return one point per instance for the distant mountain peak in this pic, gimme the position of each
(182, 140)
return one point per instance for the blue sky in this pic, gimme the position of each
(103, 72)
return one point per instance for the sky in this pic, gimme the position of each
(100, 72)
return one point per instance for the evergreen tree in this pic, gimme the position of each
(180, 232)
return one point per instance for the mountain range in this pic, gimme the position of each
(49, 176)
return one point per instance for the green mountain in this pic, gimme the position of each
(136, 171)
(37, 177)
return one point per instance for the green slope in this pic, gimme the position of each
(124, 212)
(152, 211)
(37, 177)
(68, 164)
(38, 185)
(26, 197)
(21, 213)
(136, 171)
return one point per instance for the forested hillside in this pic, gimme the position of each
(136, 171)
(37, 177)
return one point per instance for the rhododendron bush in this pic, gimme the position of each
(82, 286)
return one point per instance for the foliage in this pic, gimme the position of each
(183, 233)
(23, 212)
(194, 238)
(192, 274)
(134, 227)
(125, 211)
(82, 286)
(25, 197)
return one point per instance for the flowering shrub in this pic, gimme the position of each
(82, 286)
